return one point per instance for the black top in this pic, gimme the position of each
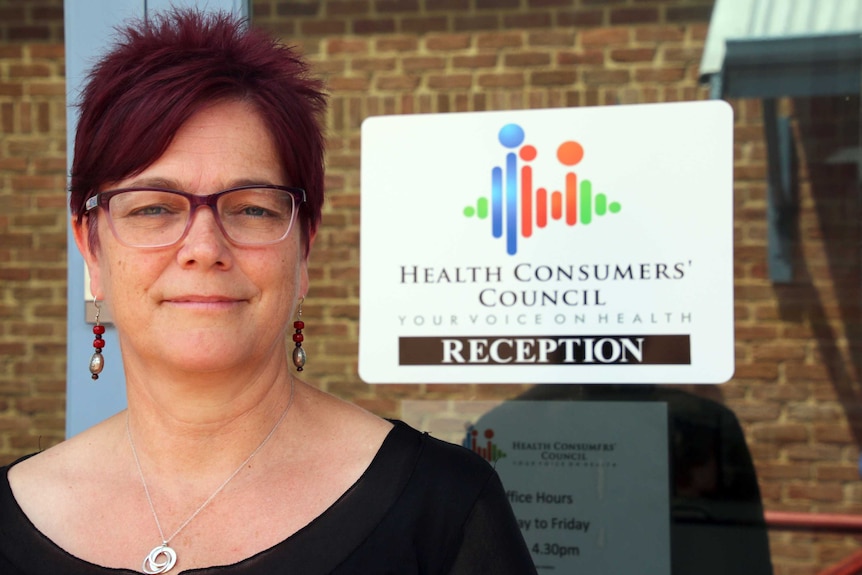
(423, 506)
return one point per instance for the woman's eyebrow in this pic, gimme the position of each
(158, 182)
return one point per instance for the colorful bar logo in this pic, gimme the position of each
(487, 449)
(510, 186)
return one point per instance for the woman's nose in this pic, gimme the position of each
(205, 243)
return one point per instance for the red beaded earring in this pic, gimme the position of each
(299, 356)
(97, 361)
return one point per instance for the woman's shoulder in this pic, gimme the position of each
(64, 460)
(445, 457)
(48, 482)
(330, 427)
(391, 444)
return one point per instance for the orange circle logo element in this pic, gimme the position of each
(570, 153)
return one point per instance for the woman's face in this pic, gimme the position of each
(204, 302)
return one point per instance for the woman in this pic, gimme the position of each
(196, 192)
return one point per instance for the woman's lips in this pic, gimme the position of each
(204, 301)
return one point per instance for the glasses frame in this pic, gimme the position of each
(103, 200)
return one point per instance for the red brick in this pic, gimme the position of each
(347, 7)
(347, 312)
(688, 13)
(447, 5)
(605, 77)
(448, 42)
(549, 3)
(12, 14)
(32, 405)
(400, 82)
(601, 37)
(500, 40)
(424, 25)
(450, 82)
(397, 44)
(634, 16)
(481, 61)
(818, 492)
(330, 66)
(383, 6)
(32, 183)
(342, 46)
(501, 80)
(593, 57)
(29, 71)
(822, 453)
(551, 38)
(755, 332)
(578, 18)
(527, 59)
(633, 54)
(553, 78)
(323, 27)
(796, 552)
(46, 89)
(782, 471)
(14, 274)
(480, 22)
(50, 274)
(261, 11)
(778, 351)
(529, 20)
(297, 8)
(780, 432)
(756, 412)
(833, 433)
(21, 33)
(423, 63)
(688, 56)
(496, 4)
(15, 90)
(49, 13)
(660, 75)
(342, 84)
(368, 26)
(779, 392)
(372, 64)
(796, 372)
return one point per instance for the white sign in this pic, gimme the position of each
(588, 481)
(582, 245)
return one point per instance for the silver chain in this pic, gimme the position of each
(217, 491)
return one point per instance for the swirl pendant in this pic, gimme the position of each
(160, 560)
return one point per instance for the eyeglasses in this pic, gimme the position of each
(157, 217)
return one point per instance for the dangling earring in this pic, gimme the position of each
(299, 356)
(97, 361)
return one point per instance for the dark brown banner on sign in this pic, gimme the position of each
(546, 350)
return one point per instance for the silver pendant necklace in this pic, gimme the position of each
(163, 557)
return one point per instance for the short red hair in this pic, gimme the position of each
(164, 70)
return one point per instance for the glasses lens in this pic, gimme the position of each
(155, 218)
(148, 217)
(256, 216)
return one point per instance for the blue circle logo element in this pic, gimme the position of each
(511, 135)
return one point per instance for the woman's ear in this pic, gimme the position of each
(81, 231)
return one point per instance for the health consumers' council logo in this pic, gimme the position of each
(487, 449)
(515, 207)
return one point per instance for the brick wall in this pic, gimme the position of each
(797, 386)
(32, 226)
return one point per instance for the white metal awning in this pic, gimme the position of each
(769, 49)
(774, 48)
